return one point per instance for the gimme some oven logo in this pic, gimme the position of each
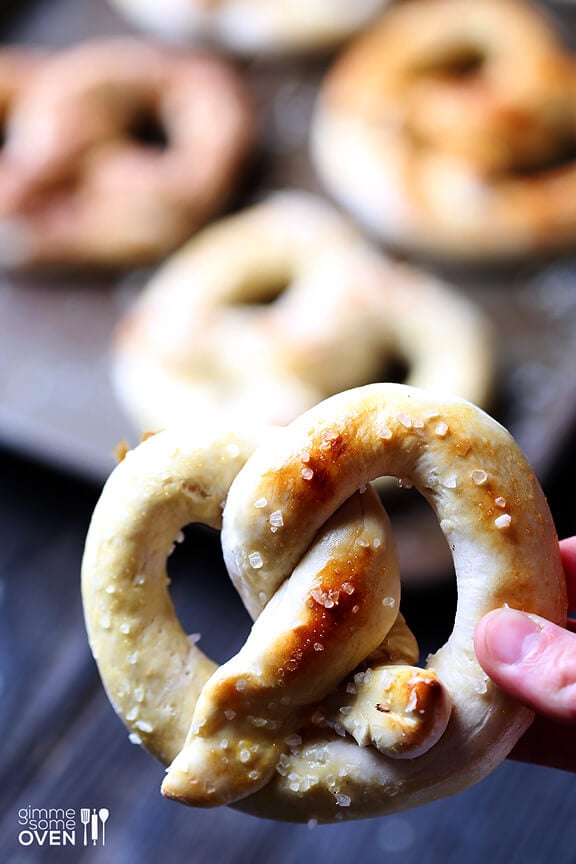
(57, 826)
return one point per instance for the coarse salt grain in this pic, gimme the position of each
(503, 521)
(275, 519)
(500, 501)
(307, 473)
(329, 435)
(479, 477)
(441, 429)
(255, 560)
(343, 800)
(260, 503)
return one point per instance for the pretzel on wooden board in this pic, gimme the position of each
(447, 129)
(322, 714)
(118, 151)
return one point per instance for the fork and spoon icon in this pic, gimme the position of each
(93, 819)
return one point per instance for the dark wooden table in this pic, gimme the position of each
(63, 747)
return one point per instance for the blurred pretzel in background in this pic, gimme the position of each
(322, 714)
(448, 128)
(117, 151)
(266, 312)
(253, 27)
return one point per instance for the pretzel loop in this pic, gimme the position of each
(321, 714)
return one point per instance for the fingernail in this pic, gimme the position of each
(510, 635)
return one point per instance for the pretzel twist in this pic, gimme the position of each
(448, 128)
(319, 715)
(267, 312)
(112, 154)
(250, 27)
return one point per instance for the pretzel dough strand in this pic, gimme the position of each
(152, 672)
(333, 610)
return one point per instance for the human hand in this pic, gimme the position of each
(535, 661)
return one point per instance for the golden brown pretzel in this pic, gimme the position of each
(307, 720)
(92, 184)
(266, 312)
(448, 127)
(249, 27)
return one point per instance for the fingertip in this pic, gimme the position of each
(531, 659)
(505, 637)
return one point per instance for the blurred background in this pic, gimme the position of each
(60, 422)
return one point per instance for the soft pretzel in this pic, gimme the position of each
(18, 67)
(448, 128)
(253, 27)
(118, 151)
(318, 716)
(266, 312)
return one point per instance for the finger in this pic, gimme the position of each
(530, 658)
(568, 554)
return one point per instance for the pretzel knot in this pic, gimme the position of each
(322, 714)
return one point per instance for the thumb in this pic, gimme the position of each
(531, 659)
